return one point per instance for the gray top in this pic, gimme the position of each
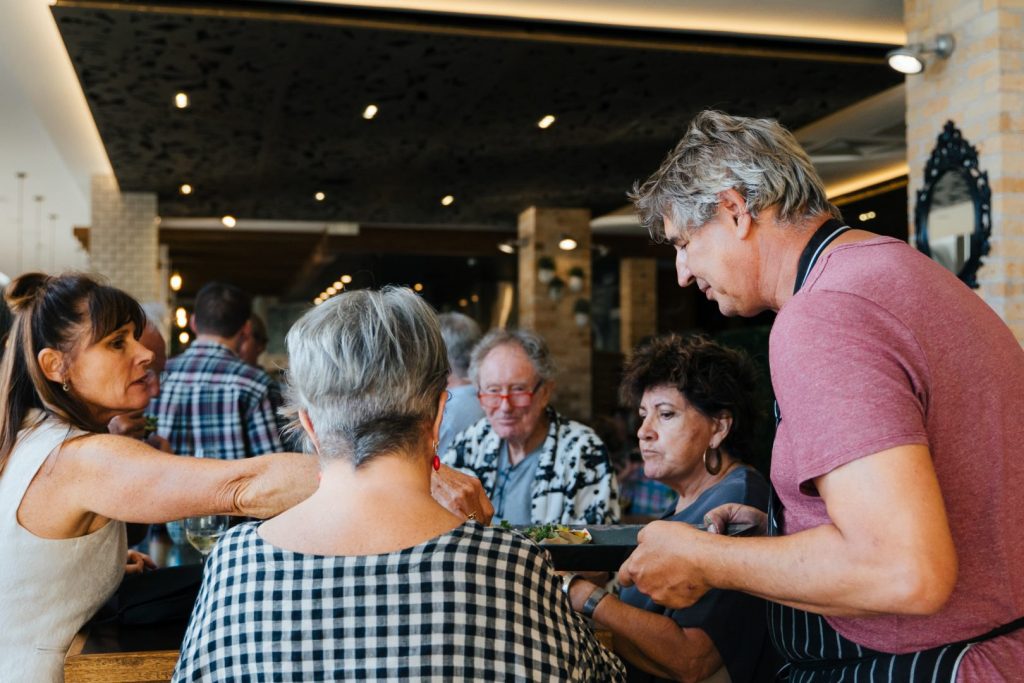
(461, 411)
(512, 490)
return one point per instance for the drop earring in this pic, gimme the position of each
(437, 462)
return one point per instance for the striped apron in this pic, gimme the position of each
(814, 651)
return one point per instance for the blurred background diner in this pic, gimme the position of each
(536, 466)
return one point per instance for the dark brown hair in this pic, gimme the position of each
(54, 312)
(221, 309)
(711, 377)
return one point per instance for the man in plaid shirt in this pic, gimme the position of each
(212, 403)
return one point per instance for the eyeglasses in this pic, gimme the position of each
(516, 399)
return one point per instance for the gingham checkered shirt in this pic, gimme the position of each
(474, 604)
(212, 402)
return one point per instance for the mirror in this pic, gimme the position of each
(953, 212)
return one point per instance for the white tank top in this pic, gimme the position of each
(48, 588)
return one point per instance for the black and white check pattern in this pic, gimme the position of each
(475, 604)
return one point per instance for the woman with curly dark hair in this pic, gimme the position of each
(697, 410)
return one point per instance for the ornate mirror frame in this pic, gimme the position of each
(954, 154)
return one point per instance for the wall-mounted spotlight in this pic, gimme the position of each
(910, 59)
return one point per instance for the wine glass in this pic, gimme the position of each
(203, 532)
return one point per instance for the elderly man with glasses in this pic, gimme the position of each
(536, 466)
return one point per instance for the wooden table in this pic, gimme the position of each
(112, 653)
(144, 666)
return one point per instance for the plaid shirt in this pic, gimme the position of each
(212, 402)
(474, 604)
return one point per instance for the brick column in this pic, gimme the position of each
(540, 231)
(123, 244)
(981, 88)
(638, 301)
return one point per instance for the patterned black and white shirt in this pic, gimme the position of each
(474, 604)
(575, 482)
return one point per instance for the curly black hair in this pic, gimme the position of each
(711, 377)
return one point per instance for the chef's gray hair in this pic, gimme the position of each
(758, 158)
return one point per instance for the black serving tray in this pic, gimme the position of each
(611, 546)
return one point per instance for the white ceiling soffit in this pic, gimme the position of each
(257, 225)
(33, 54)
(861, 145)
(858, 21)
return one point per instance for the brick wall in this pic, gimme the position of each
(570, 344)
(123, 245)
(638, 301)
(981, 88)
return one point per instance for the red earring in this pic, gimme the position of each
(437, 462)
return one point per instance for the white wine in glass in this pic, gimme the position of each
(203, 532)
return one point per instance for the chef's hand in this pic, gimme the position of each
(664, 566)
(461, 494)
(719, 519)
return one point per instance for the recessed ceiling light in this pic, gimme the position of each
(370, 111)
(339, 284)
(175, 282)
(346, 279)
(867, 216)
(229, 221)
(332, 291)
(319, 196)
(546, 121)
(185, 189)
(474, 298)
(318, 301)
(567, 243)
(463, 303)
(184, 337)
(418, 287)
(181, 100)
(447, 200)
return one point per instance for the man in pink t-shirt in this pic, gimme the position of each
(899, 536)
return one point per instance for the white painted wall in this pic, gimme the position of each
(46, 132)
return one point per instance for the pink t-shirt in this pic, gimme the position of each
(883, 347)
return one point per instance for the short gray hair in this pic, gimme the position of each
(461, 333)
(369, 368)
(758, 158)
(532, 344)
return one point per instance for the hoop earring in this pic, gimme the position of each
(65, 386)
(717, 467)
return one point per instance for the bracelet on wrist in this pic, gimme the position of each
(596, 596)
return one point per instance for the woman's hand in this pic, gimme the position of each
(719, 519)
(138, 562)
(461, 494)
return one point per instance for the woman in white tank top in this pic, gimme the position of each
(72, 361)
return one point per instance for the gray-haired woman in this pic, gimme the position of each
(371, 578)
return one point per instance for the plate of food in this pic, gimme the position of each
(594, 547)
